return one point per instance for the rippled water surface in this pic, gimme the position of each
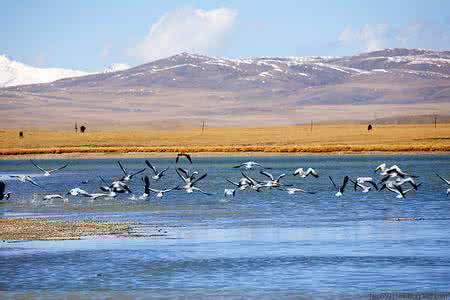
(254, 245)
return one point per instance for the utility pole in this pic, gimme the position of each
(76, 127)
(203, 127)
(435, 120)
(311, 126)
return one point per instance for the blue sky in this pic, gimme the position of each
(89, 35)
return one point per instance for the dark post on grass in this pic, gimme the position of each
(369, 128)
(76, 127)
(21, 134)
(203, 127)
(82, 128)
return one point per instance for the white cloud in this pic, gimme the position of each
(372, 37)
(186, 30)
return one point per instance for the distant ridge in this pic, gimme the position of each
(185, 89)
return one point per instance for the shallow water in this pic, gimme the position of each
(255, 245)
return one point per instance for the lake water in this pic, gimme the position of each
(256, 245)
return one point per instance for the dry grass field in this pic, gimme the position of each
(294, 139)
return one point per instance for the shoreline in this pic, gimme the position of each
(112, 155)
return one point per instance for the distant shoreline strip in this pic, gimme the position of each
(233, 149)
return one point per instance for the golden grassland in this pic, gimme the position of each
(289, 139)
(42, 229)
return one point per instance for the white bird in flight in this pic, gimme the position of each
(128, 176)
(446, 181)
(157, 175)
(25, 178)
(48, 172)
(3, 195)
(340, 189)
(310, 171)
(293, 190)
(229, 192)
(249, 165)
(160, 193)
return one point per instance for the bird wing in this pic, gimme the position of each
(95, 196)
(151, 167)
(104, 181)
(121, 167)
(334, 184)
(233, 183)
(181, 176)
(185, 155)
(146, 185)
(2, 188)
(154, 191)
(400, 190)
(126, 188)
(202, 191)
(380, 167)
(57, 169)
(171, 189)
(238, 166)
(198, 179)
(162, 172)
(281, 176)
(84, 193)
(344, 184)
(373, 184)
(252, 181)
(355, 184)
(312, 172)
(443, 179)
(296, 172)
(303, 191)
(266, 174)
(34, 164)
(138, 172)
(393, 173)
(33, 182)
(184, 171)
(188, 157)
(385, 178)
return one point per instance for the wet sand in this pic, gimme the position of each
(43, 229)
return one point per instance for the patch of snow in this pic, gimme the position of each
(221, 63)
(13, 73)
(173, 67)
(265, 74)
(115, 68)
(334, 67)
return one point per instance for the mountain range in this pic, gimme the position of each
(187, 89)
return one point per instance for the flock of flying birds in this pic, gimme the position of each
(394, 179)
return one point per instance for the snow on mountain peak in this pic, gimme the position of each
(116, 67)
(14, 73)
